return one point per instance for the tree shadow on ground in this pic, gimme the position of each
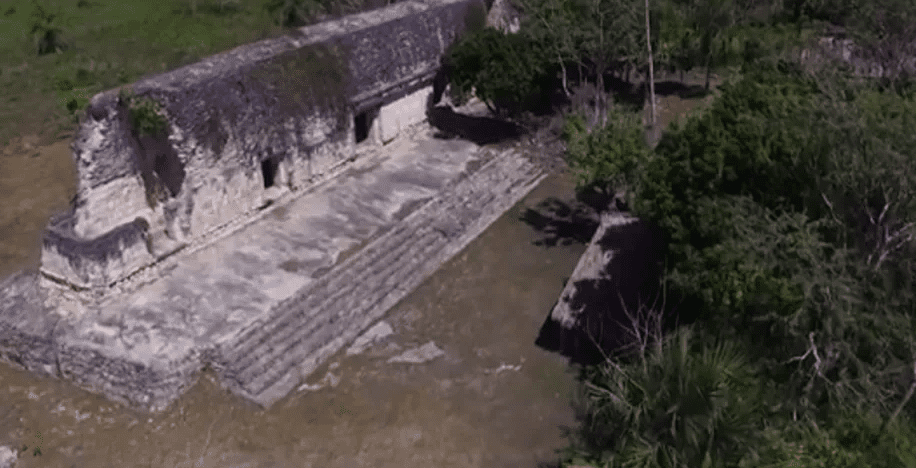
(633, 94)
(681, 90)
(480, 130)
(631, 278)
(561, 223)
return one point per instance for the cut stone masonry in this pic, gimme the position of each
(242, 128)
(262, 226)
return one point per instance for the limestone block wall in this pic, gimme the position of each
(404, 112)
(239, 127)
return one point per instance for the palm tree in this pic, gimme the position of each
(687, 401)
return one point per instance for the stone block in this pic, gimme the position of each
(400, 114)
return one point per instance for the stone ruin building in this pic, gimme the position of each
(240, 128)
(168, 261)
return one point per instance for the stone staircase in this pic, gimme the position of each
(272, 356)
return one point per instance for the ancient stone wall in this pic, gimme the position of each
(239, 129)
(861, 62)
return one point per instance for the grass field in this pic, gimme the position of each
(106, 43)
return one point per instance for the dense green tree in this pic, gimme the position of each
(790, 212)
(795, 265)
(607, 158)
(554, 23)
(598, 35)
(790, 215)
(508, 72)
(672, 36)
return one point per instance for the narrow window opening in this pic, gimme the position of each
(361, 126)
(269, 169)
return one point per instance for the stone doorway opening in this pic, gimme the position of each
(269, 169)
(362, 125)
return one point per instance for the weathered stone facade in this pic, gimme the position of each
(241, 128)
(261, 296)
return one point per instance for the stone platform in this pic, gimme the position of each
(265, 305)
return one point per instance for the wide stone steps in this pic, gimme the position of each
(269, 359)
(408, 239)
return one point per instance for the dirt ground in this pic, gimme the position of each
(35, 182)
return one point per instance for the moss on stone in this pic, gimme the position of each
(146, 121)
(145, 114)
(315, 77)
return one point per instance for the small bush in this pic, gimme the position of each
(294, 13)
(144, 114)
(45, 31)
(75, 89)
(609, 158)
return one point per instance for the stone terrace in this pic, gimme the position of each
(267, 304)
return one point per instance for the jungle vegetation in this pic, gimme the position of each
(789, 213)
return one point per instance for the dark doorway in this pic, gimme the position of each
(269, 169)
(166, 165)
(361, 124)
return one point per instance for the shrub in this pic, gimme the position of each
(74, 90)
(607, 158)
(689, 401)
(508, 71)
(847, 439)
(45, 31)
(294, 13)
(144, 114)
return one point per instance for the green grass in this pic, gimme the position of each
(107, 43)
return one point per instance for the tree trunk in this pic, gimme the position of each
(651, 71)
(708, 60)
(597, 116)
(602, 99)
(563, 69)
